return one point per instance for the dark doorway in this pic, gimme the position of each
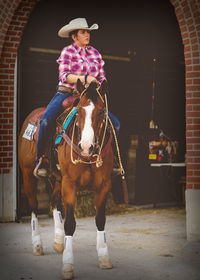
(129, 38)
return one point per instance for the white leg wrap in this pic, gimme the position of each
(102, 248)
(68, 257)
(36, 241)
(35, 231)
(59, 236)
(34, 225)
(59, 227)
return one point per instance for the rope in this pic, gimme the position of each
(105, 128)
(99, 160)
(118, 152)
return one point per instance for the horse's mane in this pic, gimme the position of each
(91, 92)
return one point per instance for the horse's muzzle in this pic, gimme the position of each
(86, 151)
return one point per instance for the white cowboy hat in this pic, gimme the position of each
(78, 23)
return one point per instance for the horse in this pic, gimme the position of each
(86, 158)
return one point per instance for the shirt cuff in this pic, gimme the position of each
(64, 80)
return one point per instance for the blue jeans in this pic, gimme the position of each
(48, 122)
(115, 122)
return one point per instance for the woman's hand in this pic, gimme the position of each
(91, 79)
(72, 78)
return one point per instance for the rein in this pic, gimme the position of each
(77, 150)
(98, 162)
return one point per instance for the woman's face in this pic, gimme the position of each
(82, 39)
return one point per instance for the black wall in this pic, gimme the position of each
(141, 30)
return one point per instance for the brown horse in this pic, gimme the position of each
(86, 161)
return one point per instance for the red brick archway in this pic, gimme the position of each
(13, 18)
(188, 16)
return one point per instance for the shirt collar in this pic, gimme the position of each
(79, 49)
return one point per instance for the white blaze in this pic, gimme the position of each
(87, 138)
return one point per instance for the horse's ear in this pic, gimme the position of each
(104, 87)
(80, 86)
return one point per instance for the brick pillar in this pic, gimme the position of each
(13, 18)
(188, 16)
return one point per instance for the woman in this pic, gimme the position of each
(77, 61)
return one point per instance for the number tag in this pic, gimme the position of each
(30, 131)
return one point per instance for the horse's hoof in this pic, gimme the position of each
(67, 272)
(59, 248)
(104, 262)
(38, 250)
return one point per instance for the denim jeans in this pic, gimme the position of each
(48, 121)
(115, 122)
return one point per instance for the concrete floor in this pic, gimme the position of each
(143, 245)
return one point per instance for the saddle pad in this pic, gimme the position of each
(65, 124)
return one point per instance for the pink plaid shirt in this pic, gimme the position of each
(76, 60)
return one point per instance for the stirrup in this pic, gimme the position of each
(116, 171)
(40, 172)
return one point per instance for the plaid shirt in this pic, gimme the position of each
(76, 60)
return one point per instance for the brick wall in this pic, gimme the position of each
(13, 18)
(188, 16)
(7, 10)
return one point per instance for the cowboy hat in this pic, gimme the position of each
(75, 24)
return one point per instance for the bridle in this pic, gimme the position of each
(99, 161)
(99, 158)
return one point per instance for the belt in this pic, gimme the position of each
(69, 90)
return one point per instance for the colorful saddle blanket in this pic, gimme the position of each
(65, 124)
(32, 129)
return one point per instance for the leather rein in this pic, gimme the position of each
(96, 159)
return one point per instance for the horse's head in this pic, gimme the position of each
(91, 115)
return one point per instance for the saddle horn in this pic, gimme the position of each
(80, 86)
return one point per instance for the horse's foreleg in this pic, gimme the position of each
(58, 244)
(101, 245)
(69, 198)
(30, 189)
(36, 240)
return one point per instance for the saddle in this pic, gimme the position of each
(65, 119)
(32, 129)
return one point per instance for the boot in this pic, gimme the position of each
(39, 171)
(116, 170)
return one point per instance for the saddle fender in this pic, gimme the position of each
(69, 101)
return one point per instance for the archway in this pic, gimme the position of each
(129, 45)
(14, 17)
